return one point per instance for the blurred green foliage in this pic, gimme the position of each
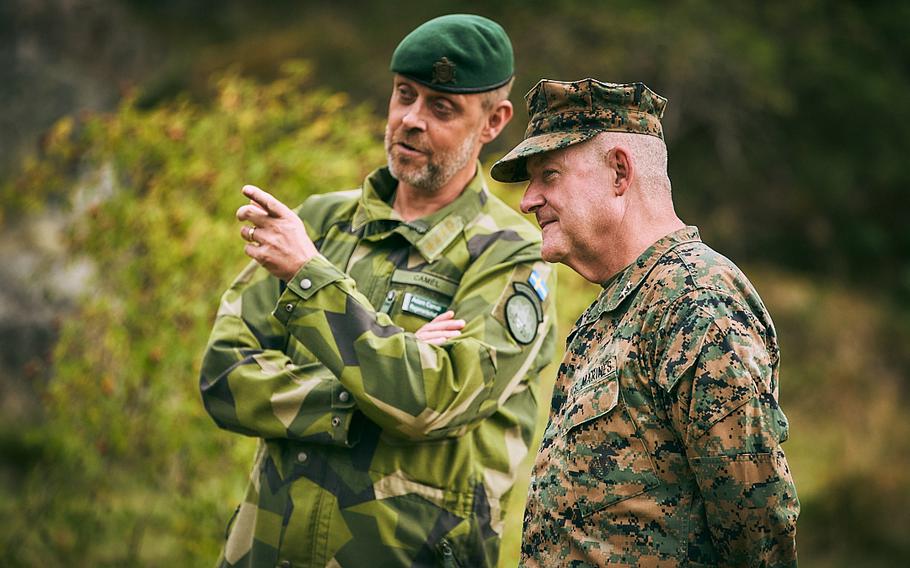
(786, 134)
(126, 468)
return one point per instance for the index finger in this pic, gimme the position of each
(264, 199)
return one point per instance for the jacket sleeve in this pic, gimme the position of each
(410, 388)
(251, 385)
(719, 365)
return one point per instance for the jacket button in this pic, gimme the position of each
(336, 421)
(301, 457)
(284, 564)
(344, 396)
(306, 283)
(289, 307)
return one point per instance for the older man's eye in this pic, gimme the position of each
(549, 174)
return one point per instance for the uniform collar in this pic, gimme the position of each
(627, 281)
(430, 235)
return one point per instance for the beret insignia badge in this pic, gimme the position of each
(444, 71)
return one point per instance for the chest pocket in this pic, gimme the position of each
(606, 459)
(414, 298)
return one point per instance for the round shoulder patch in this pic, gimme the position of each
(521, 318)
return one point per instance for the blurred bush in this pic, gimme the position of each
(126, 469)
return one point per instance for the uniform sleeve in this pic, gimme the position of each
(410, 388)
(251, 385)
(719, 365)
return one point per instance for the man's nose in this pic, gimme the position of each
(532, 200)
(413, 118)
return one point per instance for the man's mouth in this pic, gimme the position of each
(408, 149)
(545, 221)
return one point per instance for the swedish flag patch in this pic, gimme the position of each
(539, 285)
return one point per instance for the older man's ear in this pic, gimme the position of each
(619, 160)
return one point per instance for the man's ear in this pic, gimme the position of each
(619, 159)
(496, 120)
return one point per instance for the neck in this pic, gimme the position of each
(413, 202)
(633, 237)
(644, 240)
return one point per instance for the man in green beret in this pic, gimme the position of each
(664, 441)
(385, 345)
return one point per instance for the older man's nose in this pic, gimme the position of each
(532, 200)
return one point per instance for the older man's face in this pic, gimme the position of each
(567, 191)
(431, 135)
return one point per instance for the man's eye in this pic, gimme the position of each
(442, 108)
(549, 174)
(405, 94)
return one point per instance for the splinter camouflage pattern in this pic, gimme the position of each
(379, 449)
(663, 446)
(563, 113)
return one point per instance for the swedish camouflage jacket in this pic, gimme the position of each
(379, 449)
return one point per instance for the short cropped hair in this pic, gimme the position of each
(490, 99)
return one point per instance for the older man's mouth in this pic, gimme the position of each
(543, 222)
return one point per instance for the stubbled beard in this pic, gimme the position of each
(439, 168)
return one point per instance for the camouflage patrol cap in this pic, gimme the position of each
(563, 113)
(457, 53)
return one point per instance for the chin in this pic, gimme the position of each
(401, 168)
(396, 162)
(551, 253)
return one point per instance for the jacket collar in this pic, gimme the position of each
(430, 235)
(628, 280)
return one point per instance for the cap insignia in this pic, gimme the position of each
(444, 71)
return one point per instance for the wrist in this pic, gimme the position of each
(308, 252)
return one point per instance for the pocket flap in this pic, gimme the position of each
(598, 396)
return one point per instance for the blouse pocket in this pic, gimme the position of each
(607, 461)
(411, 307)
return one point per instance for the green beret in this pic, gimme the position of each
(458, 53)
(562, 114)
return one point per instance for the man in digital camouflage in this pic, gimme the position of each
(663, 445)
(391, 432)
